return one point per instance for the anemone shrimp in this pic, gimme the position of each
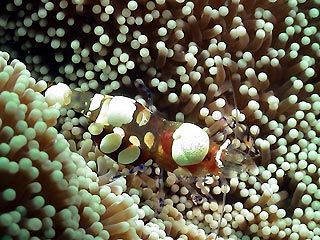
(132, 134)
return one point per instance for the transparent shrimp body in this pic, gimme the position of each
(130, 133)
(120, 123)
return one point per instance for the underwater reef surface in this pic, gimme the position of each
(201, 60)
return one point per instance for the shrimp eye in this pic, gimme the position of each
(190, 144)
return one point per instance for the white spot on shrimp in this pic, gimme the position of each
(134, 140)
(95, 102)
(149, 139)
(121, 110)
(190, 144)
(95, 128)
(110, 143)
(143, 117)
(103, 114)
(129, 155)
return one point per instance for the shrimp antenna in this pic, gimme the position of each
(236, 135)
(141, 86)
(235, 107)
(224, 183)
(250, 148)
(252, 163)
(267, 187)
(222, 178)
(161, 193)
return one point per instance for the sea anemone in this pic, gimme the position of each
(201, 60)
(48, 191)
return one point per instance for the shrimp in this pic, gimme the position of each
(131, 134)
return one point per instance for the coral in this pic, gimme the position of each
(194, 56)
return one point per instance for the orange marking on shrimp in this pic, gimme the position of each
(166, 141)
(207, 165)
